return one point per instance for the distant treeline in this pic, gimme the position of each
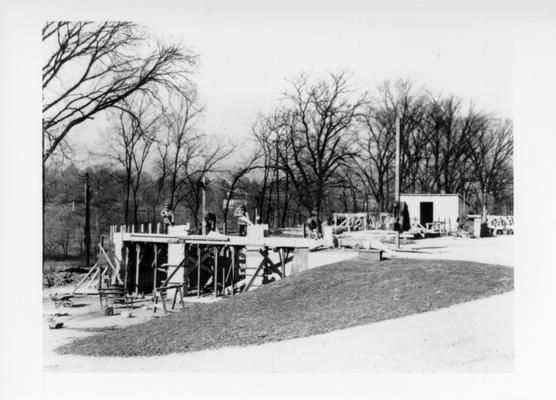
(327, 145)
(319, 149)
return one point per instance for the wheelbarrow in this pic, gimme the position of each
(62, 300)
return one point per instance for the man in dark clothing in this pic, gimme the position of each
(167, 216)
(210, 222)
(314, 226)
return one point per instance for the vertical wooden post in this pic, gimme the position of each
(198, 271)
(277, 180)
(155, 268)
(203, 222)
(215, 270)
(158, 227)
(126, 267)
(185, 277)
(397, 182)
(282, 261)
(100, 285)
(150, 227)
(137, 262)
(224, 280)
(142, 228)
(87, 222)
(233, 249)
(100, 277)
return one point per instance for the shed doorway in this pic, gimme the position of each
(426, 211)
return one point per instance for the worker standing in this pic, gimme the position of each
(243, 220)
(210, 222)
(167, 216)
(314, 225)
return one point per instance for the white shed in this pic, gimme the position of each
(424, 208)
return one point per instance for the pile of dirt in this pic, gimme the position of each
(70, 276)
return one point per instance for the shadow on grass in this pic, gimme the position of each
(320, 300)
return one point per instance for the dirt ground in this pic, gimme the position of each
(493, 250)
(471, 337)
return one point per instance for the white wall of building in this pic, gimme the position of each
(446, 208)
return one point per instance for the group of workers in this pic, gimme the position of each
(243, 220)
(313, 224)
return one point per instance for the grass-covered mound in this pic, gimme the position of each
(321, 300)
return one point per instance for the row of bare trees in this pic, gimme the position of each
(327, 145)
(182, 159)
(330, 147)
(117, 71)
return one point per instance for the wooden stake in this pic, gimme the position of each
(181, 298)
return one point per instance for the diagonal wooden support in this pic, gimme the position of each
(93, 269)
(176, 269)
(111, 265)
(261, 266)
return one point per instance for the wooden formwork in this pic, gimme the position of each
(177, 264)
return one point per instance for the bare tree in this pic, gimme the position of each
(376, 145)
(212, 151)
(235, 176)
(317, 122)
(491, 150)
(131, 144)
(91, 67)
(447, 165)
(183, 142)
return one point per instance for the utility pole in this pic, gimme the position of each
(398, 180)
(87, 221)
(203, 222)
(277, 177)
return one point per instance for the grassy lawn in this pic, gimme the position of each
(321, 300)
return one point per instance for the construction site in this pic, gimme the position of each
(320, 223)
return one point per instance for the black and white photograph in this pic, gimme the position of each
(278, 199)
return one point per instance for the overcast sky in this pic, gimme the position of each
(247, 50)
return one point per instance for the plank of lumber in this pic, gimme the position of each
(111, 265)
